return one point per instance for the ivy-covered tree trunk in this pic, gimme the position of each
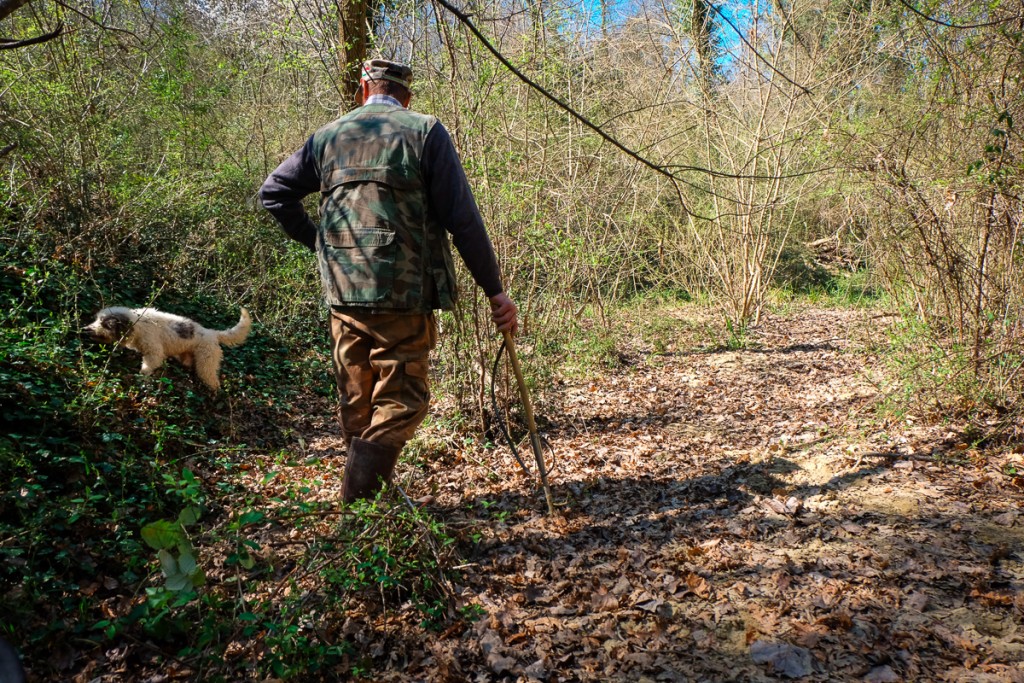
(353, 33)
(700, 31)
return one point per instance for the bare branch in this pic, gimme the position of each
(9, 44)
(753, 49)
(658, 168)
(92, 20)
(8, 7)
(947, 24)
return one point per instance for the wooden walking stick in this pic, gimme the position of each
(524, 394)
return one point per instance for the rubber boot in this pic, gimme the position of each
(369, 466)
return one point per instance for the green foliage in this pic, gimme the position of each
(91, 451)
(663, 332)
(736, 335)
(380, 554)
(800, 273)
(394, 553)
(852, 289)
(939, 378)
(840, 290)
(174, 550)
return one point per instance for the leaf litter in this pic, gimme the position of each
(740, 515)
(724, 515)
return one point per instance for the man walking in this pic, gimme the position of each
(391, 185)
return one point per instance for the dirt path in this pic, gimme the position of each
(733, 516)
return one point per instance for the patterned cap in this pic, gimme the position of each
(377, 69)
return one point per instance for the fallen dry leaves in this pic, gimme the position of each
(736, 515)
(724, 515)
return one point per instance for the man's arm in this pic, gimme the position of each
(453, 206)
(284, 189)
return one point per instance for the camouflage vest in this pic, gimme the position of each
(377, 246)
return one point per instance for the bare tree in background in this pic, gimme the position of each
(702, 34)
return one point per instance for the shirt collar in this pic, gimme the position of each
(381, 99)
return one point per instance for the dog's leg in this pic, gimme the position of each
(186, 359)
(207, 360)
(151, 361)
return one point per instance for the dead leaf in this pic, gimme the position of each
(650, 605)
(810, 634)
(882, 674)
(500, 664)
(698, 585)
(993, 598)
(623, 586)
(785, 659)
(536, 671)
(604, 602)
(490, 641)
(1007, 518)
(916, 601)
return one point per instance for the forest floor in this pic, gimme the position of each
(729, 515)
(741, 514)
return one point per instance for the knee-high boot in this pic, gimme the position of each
(369, 466)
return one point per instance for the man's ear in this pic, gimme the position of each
(361, 93)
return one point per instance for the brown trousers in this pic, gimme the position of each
(381, 364)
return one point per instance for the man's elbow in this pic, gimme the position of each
(268, 197)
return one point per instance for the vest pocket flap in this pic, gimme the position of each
(360, 238)
(380, 174)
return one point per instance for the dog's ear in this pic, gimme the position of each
(117, 324)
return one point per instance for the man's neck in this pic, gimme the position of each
(382, 99)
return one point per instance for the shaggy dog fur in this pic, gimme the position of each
(158, 336)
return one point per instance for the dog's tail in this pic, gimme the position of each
(237, 334)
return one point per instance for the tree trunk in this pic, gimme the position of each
(353, 34)
(700, 31)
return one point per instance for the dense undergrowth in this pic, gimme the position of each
(91, 453)
(124, 512)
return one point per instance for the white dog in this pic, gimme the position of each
(158, 336)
